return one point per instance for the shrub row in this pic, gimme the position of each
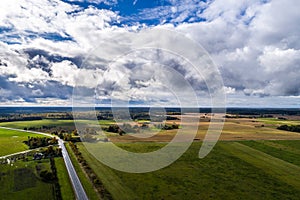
(92, 176)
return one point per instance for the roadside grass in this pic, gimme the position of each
(64, 180)
(224, 174)
(20, 181)
(108, 177)
(87, 185)
(11, 141)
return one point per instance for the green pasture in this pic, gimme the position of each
(54, 123)
(233, 170)
(11, 141)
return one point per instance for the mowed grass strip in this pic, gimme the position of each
(276, 167)
(274, 148)
(87, 185)
(107, 176)
(64, 180)
(295, 144)
(11, 141)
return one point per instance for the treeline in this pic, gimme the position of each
(64, 135)
(17, 118)
(167, 126)
(91, 174)
(127, 128)
(35, 142)
(33, 128)
(292, 128)
(51, 177)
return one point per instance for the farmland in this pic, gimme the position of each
(21, 180)
(11, 141)
(252, 160)
(231, 171)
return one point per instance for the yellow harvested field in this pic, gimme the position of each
(233, 130)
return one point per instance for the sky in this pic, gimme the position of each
(98, 49)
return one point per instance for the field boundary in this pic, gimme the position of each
(275, 167)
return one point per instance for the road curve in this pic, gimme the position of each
(77, 186)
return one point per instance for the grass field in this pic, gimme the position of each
(252, 160)
(233, 170)
(37, 123)
(21, 181)
(51, 122)
(12, 141)
(275, 121)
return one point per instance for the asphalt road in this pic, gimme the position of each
(79, 191)
(77, 186)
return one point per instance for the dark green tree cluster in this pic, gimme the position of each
(35, 142)
(114, 129)
(167, 126)
(64, 135)
(123, 129)
(292, 128)
(51, 177)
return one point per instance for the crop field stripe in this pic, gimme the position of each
(280, 146)
(278, 168)
(274, 148)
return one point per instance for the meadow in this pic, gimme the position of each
(11, 141)
(38, 123)
(50, 122)
(233, 170)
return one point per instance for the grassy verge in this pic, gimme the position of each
(110, 180)
(64, 180)
(87, 185)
